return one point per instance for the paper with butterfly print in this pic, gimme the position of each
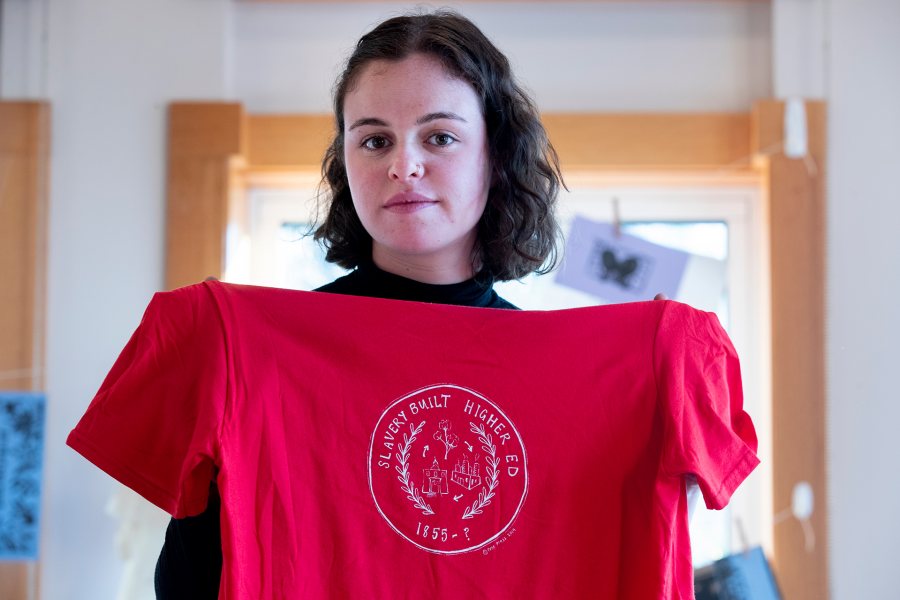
(619, 267)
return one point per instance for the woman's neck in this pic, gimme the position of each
(424, 269)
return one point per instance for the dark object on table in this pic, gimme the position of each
(743, 576)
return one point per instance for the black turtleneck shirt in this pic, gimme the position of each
(369, 280)
(190, 563)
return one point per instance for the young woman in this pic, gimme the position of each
(440, 180)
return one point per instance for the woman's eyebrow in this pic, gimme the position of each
(434, 116)
(367, 121)
(439, 115)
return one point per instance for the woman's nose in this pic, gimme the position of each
(406, 165)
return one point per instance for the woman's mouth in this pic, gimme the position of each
(407, 202)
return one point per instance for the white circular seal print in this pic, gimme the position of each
(447, 469)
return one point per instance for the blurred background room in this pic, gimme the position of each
(148, 144)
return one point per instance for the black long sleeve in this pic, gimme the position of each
(190, 563)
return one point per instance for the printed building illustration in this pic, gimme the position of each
(466, 474)
(435, 480)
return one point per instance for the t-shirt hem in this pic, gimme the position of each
(742, 469)
(122, 473)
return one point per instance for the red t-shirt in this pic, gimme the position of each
(370, 448)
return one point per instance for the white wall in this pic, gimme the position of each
(109, 67)
(849, 52)
(863, 289)
(608, 56)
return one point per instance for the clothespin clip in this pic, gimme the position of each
(617, 217)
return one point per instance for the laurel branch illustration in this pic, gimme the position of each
(486, 493)
(403, 458)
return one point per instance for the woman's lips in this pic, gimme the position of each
(407, 202)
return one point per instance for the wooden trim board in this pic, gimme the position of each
(24, 156)
(796, 206)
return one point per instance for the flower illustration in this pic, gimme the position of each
(451, 440)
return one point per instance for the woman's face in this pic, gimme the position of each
(415, 147)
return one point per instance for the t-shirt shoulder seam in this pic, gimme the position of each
(653, 351)
(210, 288)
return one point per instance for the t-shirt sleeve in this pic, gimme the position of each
(707, 432)
(155, 421)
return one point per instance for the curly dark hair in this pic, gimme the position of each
(518, 233)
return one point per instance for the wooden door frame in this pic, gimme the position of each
(24, 179)
(215, 148)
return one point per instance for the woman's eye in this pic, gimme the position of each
(376, 142)
(442, 139)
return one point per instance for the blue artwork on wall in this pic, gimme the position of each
(21, 458)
